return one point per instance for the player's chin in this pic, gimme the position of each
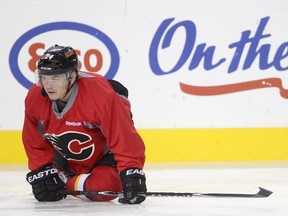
(52, 96)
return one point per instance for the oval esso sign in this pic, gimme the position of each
(99, 56)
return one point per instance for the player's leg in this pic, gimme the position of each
(102, 178)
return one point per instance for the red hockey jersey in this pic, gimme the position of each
(95, 119)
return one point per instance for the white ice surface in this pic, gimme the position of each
(16, 197)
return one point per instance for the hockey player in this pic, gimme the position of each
(86, 120)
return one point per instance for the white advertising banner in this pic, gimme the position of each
(186, 63)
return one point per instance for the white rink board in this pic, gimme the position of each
(16, 198)
(131, 25)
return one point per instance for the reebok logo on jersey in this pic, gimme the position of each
(73, 123)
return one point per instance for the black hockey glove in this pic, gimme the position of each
(45, 183)
(133, 185)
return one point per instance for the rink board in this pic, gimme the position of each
(171, 145)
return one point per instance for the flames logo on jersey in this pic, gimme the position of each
(72, 145)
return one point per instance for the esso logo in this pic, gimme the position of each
(96, 51)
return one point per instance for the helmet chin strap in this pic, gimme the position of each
(69, 87)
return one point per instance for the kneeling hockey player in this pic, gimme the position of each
(80, 126)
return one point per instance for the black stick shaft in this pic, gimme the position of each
(261, 194)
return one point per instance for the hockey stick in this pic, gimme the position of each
(261, 194)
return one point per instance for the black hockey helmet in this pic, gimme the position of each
(58, 60)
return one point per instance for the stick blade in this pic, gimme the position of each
(264, 192)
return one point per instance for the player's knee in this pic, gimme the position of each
(102, 178)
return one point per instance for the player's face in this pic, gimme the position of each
(55, 85)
